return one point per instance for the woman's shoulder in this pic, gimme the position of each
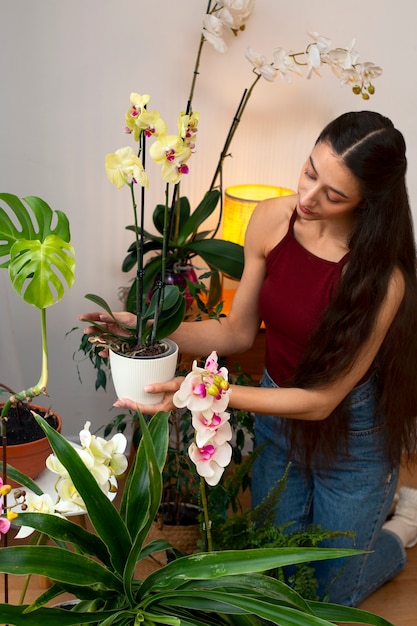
(270, 220)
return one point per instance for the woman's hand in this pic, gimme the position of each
(106, 324)
(168, 389)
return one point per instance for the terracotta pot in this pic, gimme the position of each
(29, 458)
(131, 374)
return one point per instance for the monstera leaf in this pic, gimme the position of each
(39, 257)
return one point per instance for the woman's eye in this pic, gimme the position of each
(309, 175)
(331, 199)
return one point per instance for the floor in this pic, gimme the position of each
(396, 601)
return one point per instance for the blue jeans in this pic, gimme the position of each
(355, 494)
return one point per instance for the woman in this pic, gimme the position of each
(331, 271)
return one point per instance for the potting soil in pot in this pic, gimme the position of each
(22, 426)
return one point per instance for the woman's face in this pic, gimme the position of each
(327, 188)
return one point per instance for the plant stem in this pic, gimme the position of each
(139, 271)
(165, 241)
(196, 67)
(207, 522)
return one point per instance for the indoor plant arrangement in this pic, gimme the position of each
(205, 588)
(41, 264)
(178, 240)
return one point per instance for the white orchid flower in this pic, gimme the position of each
(210, 460)
(36, 504)
(261, 65)
(285, 64)
(215, 426)
(213, 32)
(368, 71)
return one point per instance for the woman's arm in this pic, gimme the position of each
(305, 404)
(318, 403)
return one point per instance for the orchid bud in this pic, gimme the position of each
(213, 390)
(5, 489)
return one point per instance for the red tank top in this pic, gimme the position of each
(296, 291)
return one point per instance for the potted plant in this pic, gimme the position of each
(99, 567)
(36, 251)
(159, 307)
(178, 239)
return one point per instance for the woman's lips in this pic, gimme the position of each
(303, 209)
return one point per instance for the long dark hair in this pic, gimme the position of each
(382, 239)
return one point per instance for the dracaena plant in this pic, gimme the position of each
(100, 567)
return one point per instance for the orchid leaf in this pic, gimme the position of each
(225, 256)
(199, 215)
(181, 209)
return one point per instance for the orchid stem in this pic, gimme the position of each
(207, 523)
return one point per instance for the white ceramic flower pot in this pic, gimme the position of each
(130, 375)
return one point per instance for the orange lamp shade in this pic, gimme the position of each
(239, 203)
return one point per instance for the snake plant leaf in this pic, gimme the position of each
(224, 256)
(30, 228)
(37, 269)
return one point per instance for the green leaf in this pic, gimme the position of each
(225, 256)
(62, 529)
(37, 268)
(59, 564)
(102, 513)
(214, 564)
(352, 615)
(48, 616)
(199, 215)
(37, 229)
(139, 496)
(145, 492)
(219, 601)
(181, 210)
(21, 479)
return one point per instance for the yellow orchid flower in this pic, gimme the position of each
(170, 152)
(124, 167)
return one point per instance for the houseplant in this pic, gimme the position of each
(40, 261)
(178, 238)
(206, 588)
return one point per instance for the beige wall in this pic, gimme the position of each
(67, 69)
